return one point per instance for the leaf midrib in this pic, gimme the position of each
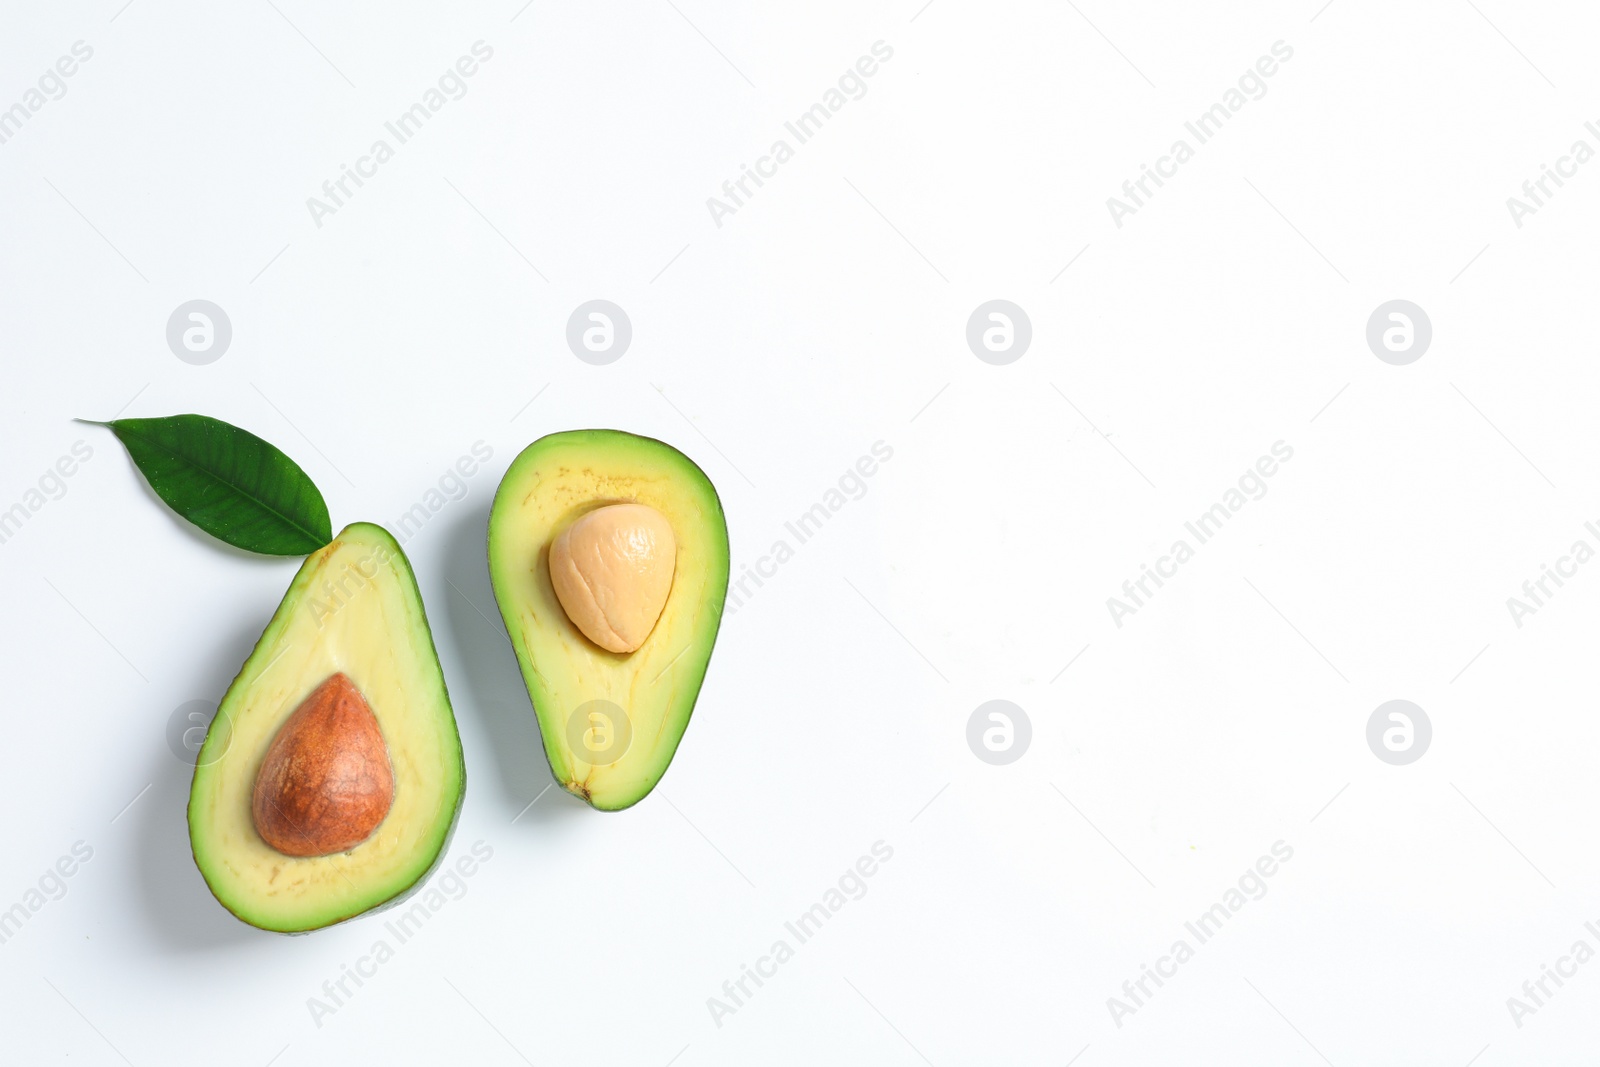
(218, 478)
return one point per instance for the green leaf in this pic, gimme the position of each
(229, 482)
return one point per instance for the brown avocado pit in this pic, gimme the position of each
(325, 783)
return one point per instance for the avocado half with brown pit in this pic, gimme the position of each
(331, 778)
(608, 553)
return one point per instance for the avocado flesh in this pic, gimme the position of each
(353, 607)
(550, 485)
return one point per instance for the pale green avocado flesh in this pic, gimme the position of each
(354, 607)
(626, 712)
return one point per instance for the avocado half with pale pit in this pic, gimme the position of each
(608, 553)
(331, 777)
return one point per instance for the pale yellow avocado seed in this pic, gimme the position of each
(612, 571)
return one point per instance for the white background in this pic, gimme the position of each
(1228, 714)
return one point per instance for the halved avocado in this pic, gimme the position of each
(625, 711)
(353, 610)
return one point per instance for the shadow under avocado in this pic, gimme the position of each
(185, 915)
(489, 682)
